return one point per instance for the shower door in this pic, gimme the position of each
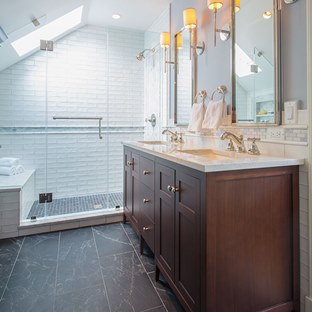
(77, 136)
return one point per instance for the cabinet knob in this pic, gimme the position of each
(146, 200)
(129, 163)
(175, 189)
(145, 228)
(169, 188)
(146, 172)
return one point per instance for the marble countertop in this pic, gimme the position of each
(217, 160)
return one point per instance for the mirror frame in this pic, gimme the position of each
(193, 40)
(277, 68)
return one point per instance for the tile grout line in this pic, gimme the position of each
(97, 252)
(145, 270)
(56, 270)
(12, 270)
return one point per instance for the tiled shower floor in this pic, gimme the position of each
(70, 205)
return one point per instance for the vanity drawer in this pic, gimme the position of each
(148, 232)
(147, 203)
(147, 172)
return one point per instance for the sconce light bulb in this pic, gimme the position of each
(189, 18)
(215, 4)
(165, 39)
(267, 14)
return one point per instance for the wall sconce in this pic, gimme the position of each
(189, 21)
(237, 6)
(215, 5)
(179, 42)
(165, 44)
(189, 18)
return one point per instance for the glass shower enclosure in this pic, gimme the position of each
(65, 116)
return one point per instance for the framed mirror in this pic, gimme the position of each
(256, 84)
(185, 60)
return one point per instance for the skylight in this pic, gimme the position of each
(48, 32)
(243, 63)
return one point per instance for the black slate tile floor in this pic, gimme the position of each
(89, 269)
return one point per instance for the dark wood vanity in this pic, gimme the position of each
(225, 241)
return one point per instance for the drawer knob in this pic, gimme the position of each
(145, 228)
(146, 200)
(146, 172)
(169, 188)
(129, 163)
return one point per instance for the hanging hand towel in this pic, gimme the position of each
(197, 117)
(8, 162)
(215, 112)
(7, 171)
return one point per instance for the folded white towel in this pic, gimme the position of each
(215, 112)
(9, 162)
(20, 169)
(8, 171)
(197, 117)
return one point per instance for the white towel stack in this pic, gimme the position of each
(197, 117)
(10, 166)
(215, 112)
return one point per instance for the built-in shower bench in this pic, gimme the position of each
(16, 199)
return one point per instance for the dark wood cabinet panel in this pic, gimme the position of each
(250, 246)
(147, 202)
(187, 238)
(148, 231)
(164, 219)
(132, 187)
(147, 172)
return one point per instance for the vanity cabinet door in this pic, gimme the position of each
(187, 238)
(132, 188)
(164, 220)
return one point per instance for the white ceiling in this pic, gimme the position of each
(16, 16)
(135, 14)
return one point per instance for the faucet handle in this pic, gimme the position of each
(230, 146)
(253, 150)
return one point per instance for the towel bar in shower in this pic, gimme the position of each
(85, 118)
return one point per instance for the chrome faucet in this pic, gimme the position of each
(174, 136)
(239, 142)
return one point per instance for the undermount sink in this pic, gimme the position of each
(210, 153)
(154, 142)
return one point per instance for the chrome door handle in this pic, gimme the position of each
(129, 163)
(146, 172)
(169, 188)
(145, 229)
(175, 189)
(146, 200)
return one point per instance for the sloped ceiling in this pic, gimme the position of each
(16, 16)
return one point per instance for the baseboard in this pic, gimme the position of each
(308, 304)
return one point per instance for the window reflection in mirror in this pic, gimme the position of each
(255, 62)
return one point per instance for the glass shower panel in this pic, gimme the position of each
(23, 127)
(77, 110)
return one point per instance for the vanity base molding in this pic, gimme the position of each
(225, 241)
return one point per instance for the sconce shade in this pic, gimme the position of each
(237, 5)
(179, 41)
(189, 18)
(215, 4)
(165, 39)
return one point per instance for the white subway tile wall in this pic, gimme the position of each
(92, 72)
